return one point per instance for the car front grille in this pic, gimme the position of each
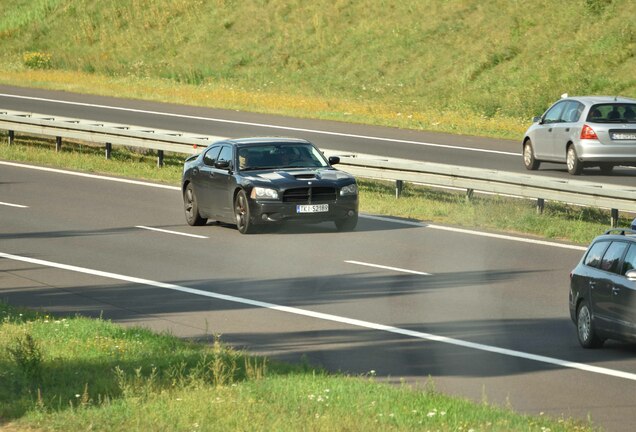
(310, 195)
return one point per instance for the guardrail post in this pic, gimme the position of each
(399, 185)
(614, 221)
(109, 150)
(469, 194)
(159, 158)
(11, 137)
(58, 144)
(540, 205)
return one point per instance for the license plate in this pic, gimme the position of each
(316, 208)
(623, 135)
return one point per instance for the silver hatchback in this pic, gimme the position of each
(583, 131)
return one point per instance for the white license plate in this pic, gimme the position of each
(623, 136)
(316, 208)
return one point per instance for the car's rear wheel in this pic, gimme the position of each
(347, 224)
(575, 166)
(530, 162)
(191, 207)
(585, 328)
(242, 213)
(607, 168)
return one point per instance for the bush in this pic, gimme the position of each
(36, 60)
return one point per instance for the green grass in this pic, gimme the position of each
(558, 221)
(406, 64)
(74, 373)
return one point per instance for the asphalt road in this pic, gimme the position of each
(485, 317)
(477, 152)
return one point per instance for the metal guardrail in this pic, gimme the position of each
(531, 186)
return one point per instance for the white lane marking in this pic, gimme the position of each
(333, 318)
(263, 125)
(397, 269)
(378, 218)
(171, 232)
(477, 233)
(92, 176)
(13, 205)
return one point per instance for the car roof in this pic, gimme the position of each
(617, 234)
(592, 100)
(255, 141)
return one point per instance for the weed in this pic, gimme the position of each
(26, 353)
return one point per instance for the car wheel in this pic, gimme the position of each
(607, 168)
(191, 207)
(528, 156)
(347, 224)
(585, 328)
(242, 213)
(575, 166)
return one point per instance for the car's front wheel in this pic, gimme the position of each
(530, 162)
(242, 213)
(585, 328)
(347, 224)
(575, 166)
(191, 207)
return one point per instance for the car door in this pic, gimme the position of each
(543, 133)
(221, 181)
(204, 187)
(624, 296)
(564, 129)
(605, 284)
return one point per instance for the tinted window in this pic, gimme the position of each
(553, 115)
(629, 263)
(226, 154)
(593, 258)
(211, 155)
(612, 113)
(612, 257)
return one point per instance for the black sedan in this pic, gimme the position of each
(255, 182)
(603, 289)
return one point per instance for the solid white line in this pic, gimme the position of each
(332, 318)
(477, 233)
(397, 269)
(92, 176)
(13, 205)
(288, 128)
(171, 232)
(379, 218)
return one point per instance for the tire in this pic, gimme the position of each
(347, 224)
(191, 207)
(530, 162)
(242, 213)
(575, 166)
(607, 168)
(585, 328)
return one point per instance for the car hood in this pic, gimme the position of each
(285, 176)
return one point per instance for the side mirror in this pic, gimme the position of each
(536, 119)
(631, 275)
(223, 164)
(334, 160)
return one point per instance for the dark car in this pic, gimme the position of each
(255, 182)
(603, 289)
(583, 131)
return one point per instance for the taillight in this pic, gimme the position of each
(588, 133)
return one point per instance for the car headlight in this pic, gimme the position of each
(264, 193)
(351, 189)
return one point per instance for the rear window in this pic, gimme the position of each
(594, 255)
(612, 113)
(612, 257)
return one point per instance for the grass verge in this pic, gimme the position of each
(558, 221)
(75, 373)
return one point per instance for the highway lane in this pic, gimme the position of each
(425, 146)
(493, 292)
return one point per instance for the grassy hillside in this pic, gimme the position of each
(454, 65)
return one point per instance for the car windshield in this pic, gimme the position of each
(612, 113)
(280, 156)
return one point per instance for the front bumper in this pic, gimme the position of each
(266, 212)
